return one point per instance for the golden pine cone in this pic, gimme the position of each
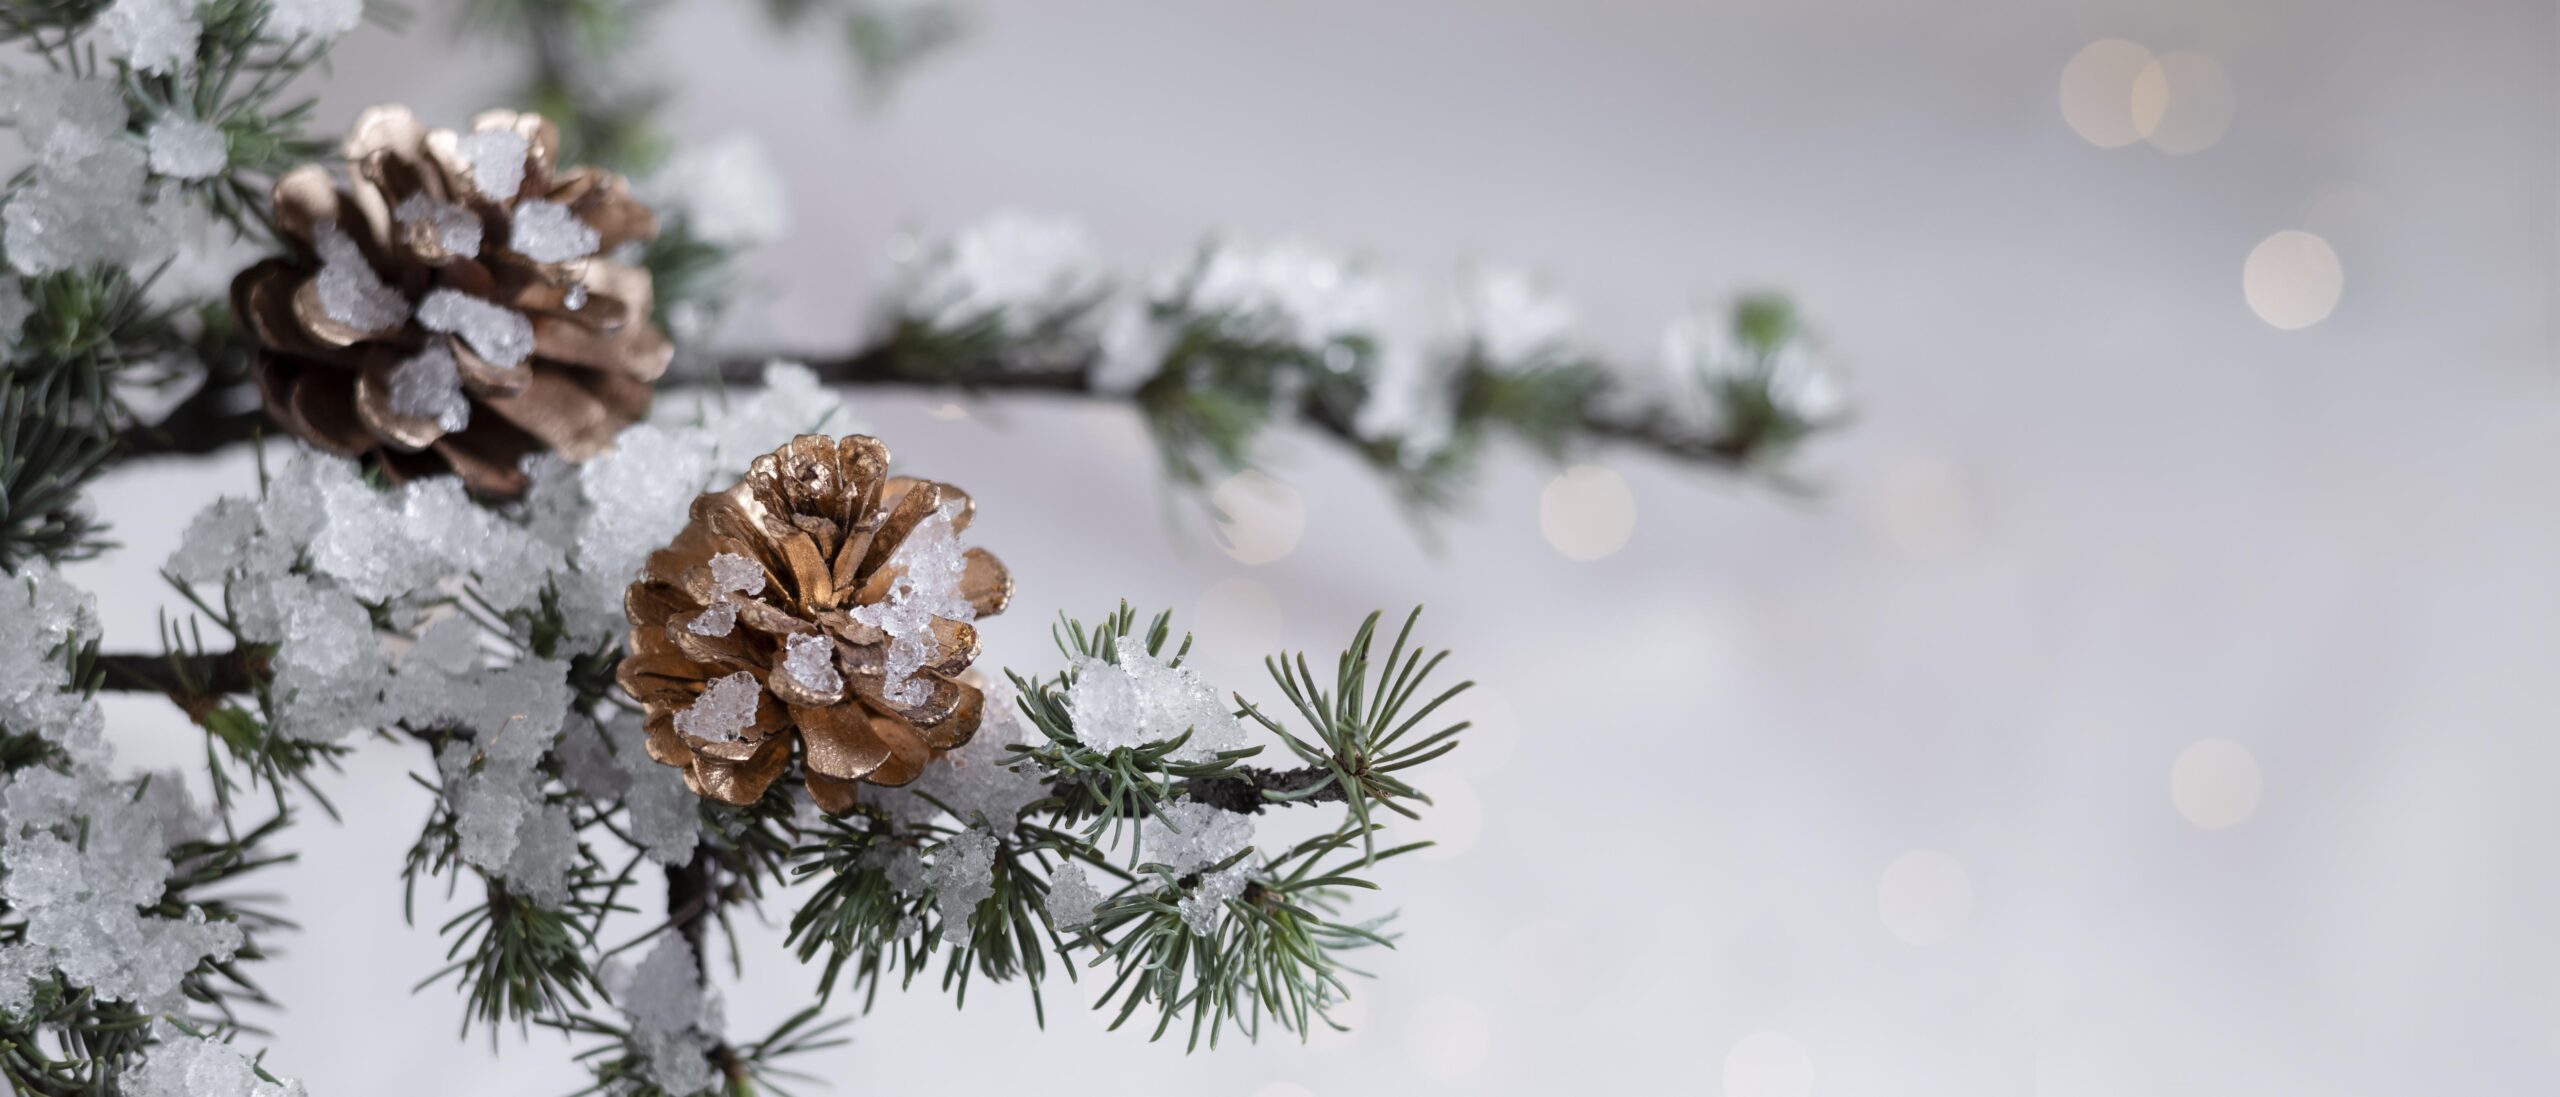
(451, 304)
(788, 604)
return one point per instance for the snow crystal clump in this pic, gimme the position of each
(428, 386)
(810, 660)
(1189, 836)
(83, 856)
(674, 1020)
(497, 161)
(665, 816)
(1200, 908)
(727, 193)
(456, 228)
(183, 148)
(1700, 354)
(1143, 700)
(976, 779)
(45, 104)
(1072, 898)
(1513, 320)
(732, 573)
(350, 292)
(41, 615)
(932, 562)
(726, 709)
(1296, 290)
(546, 232)
(1412, 396)
(83, 203)
(716, 619)
(1021, 272)
(322, 19)
(515, 714)
(1134, 343)
(962, 876)
(497, 333)
(179, 1065)
(157, 36)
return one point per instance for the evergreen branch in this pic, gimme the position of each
(196, 681)
(1564, 421)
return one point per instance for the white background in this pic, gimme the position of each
(2094, 511)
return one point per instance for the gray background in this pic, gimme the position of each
(2094, 511)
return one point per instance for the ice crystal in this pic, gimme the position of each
(716, 619)
(1513, 320)
(810, 659)
(498, 334)
(732, 573)
(673, 1019)
(1071, 898)
(176, 1064)
(84, 858)
(350, 292)
(726, 708)
(429, 387)
(1143, 700)
(962, 875)
(156, 36)
(1701, 356)
(1134, 345)
(1189, 836)
(1017, 271)
(977, 779)
(84, 204)
(183, 148)
(1200, 909)
(457, 229)
(496, 158)
(45, 103)
(931, 562)
(546, 232)
(1294, 289)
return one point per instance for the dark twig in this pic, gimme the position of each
(197, 431)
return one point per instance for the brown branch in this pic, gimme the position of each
(197, 682)
(1242, 793)
(204, 428)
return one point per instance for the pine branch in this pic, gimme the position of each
(195, 680)
(200, 427)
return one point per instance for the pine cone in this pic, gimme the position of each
(450, 305)
(820, 600)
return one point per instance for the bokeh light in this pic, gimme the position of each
(1587, 512)
(1922, 508)
(2292, 279)
(2097, 92)
(1449, 1037)
(1925, 897)
(1259, 519)
(2182, 103)
(1768, 1064)
(2214, 783)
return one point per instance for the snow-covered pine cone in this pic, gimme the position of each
(821, 601)
(450, 303)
